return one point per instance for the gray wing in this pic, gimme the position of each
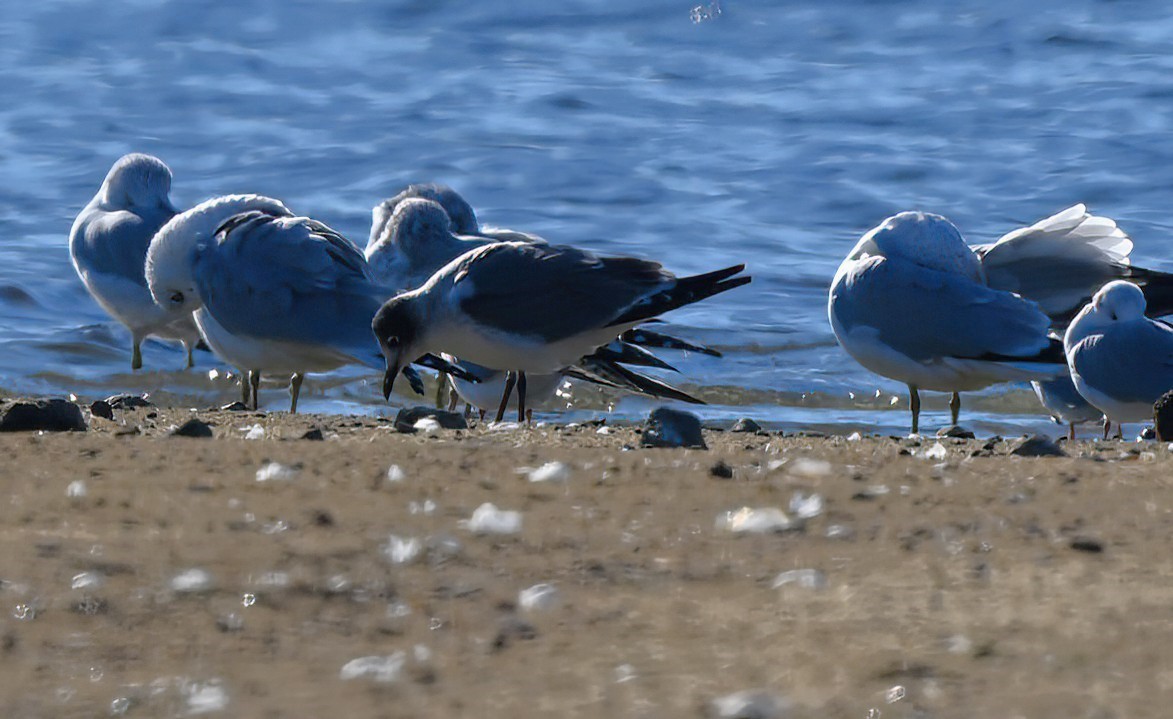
(926, 314)
(550, 292)
(288, 278)
(115, 243)
(1132, 363)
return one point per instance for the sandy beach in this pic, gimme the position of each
(157, 576)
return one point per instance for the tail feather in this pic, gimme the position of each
(685, 291)
(647, 338)
(619, 351)
(1051, 354)
(624, 378)
(1157, 287)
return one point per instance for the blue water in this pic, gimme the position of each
(768, 134)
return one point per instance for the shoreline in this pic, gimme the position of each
(937, 581)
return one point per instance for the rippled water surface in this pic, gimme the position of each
(772, 135)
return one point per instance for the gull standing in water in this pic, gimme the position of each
(532, 308)
(108, 244)
(417, 232)
(911, 303)
(1121, 361)
(270, 291)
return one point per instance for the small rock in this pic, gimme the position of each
(76, 489)
(956, 431)
(236, 406)
(935, 453)
(101, 408)
(193, 428)
(1087, 544)
(427, 425)
(1163, 416)
(751, 704)
(513, 628)
(745, 424)
(1036, 446)
(383, 670)
(550, 472)
(540, 597)
(805, 578)
(806, 506)
(721, 470)
(672, 428)
(408, 418)
(314, 433)
(128, 401)
(402, 550)
(49, 415)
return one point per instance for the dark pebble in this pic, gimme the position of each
(49, 415)
(1087, 544)
(407, 417)
(193, 428)
(1036, 446)
(236, 406)
(721, 470)
(314, 433)
(672, 428)
(513, 628)
(1163, 416)
(956, 431)
(745, 424)
(127, 401)
(102, 408)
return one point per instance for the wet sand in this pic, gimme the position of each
(974, 585)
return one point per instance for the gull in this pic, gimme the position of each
(1065, 404)
(532, 308)
(1120, 360)
(911, 302)
(108, 244)
(270, 291)
(463, 218)
(415, 233)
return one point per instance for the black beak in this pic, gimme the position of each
(389, 381)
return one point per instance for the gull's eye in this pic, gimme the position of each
(392, 343)
(176, 298)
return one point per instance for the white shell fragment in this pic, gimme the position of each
(191, 581)
(805, 578)
(748, 520)
(487, 519)
(750, 704)
(550, 472)
(395, 474)
(383, 670)
(806, 506)
(402, 550)
(276, 472)
(809, 468)
(427, 425)
(540, 598)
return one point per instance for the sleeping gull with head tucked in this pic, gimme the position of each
(532, 308)
(911, 303)
(108, 244)
(270, 291)
(1120, 360)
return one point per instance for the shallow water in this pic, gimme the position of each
(769, 135)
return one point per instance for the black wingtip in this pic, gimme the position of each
(685, 291)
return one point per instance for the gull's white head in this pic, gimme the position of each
(173, 250)
(924, 239)
(137, 181)
(1116, 302)
(460, 214)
